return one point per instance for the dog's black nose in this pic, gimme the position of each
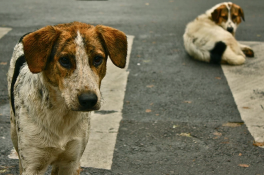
(87, 100)
(230, 29)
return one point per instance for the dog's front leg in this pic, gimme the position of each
(55, 170)
(246, 50)
(70, 168)
(34, 161)
(68, 163)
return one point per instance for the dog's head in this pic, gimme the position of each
(227, 15)
(72, 57)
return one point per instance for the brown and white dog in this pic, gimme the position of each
(54, 81)
(211, 36)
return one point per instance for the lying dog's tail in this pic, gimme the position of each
(217, 52)
(200, 49)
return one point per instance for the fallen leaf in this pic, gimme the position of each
(232, 124)
(3, 63)
(246, 107)
(258, 143)
(150, 86)
(3, 171)
(187, 101)
(185, 134)
(148, 110)
(151, 104)
(244, 165)
(240, 154)
(146, 61)
(154, 42)
(217, 133)
(218, 78)
(175, 126)
(147, 4)
(157, 114)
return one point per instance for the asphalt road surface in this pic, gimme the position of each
(178, 115)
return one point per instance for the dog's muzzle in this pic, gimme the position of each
(87, 100)
(230, 29)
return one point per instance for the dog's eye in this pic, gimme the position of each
(65, 62)
(225, 17)
(234, 17)
(97, 60)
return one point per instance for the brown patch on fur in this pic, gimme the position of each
(37, 47)
(46, 46)
(94, 47)
(248, 52)
(64, 47)
(236, 14)
(220, 14)
(115, 42)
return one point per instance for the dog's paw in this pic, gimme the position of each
(248, 52)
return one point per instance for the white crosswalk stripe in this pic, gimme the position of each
(247, 85)
(4, 31)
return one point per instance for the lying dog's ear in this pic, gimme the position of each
(237, 10)
(115, 42)
(38, 46)
(241, 13)
(218, 13)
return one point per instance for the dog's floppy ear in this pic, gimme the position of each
(241, 13)
(237, 10)
(218, 12)
(115, 42)
(38, 46)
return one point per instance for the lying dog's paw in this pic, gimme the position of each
(248, 52)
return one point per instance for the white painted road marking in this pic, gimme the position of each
(4, 110)
(247, 85)
(104, 127)
(4, 31)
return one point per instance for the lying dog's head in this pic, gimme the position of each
(73, 58)
(227, 15)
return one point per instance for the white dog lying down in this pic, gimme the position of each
(210, 37)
